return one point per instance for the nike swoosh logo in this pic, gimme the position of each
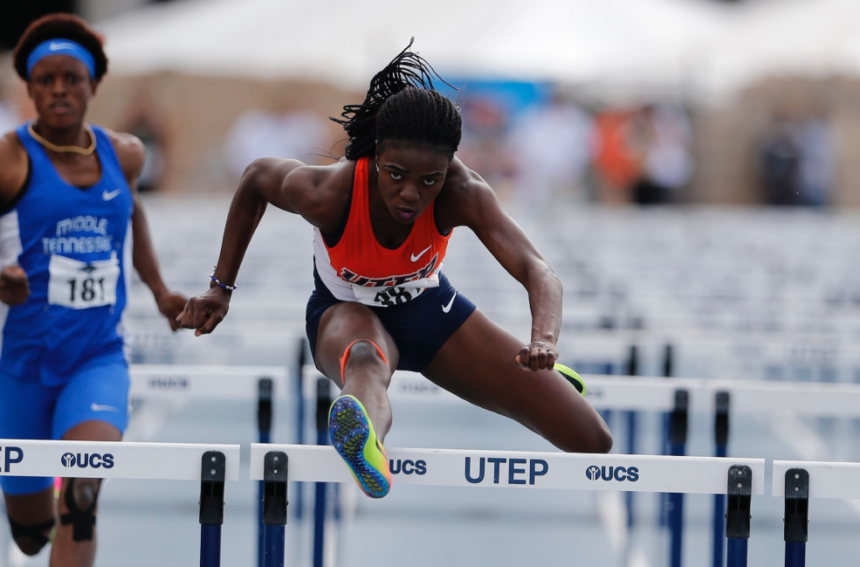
(108, 195)
(446, 308)
(54, 46)
(99, 407)
(414, 258)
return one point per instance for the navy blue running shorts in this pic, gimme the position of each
(419, 327)
(96, 391)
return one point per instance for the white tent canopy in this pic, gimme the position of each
(798, 37)
(345, 42)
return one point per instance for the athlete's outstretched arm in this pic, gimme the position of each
(474, 204)
(14, 286)
(130, 152)
(263, 182)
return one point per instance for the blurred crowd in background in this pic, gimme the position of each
(782, 141)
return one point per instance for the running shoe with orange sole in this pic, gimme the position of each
(352, 435)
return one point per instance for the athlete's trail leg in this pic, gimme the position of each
(478, 364)
(34, 516)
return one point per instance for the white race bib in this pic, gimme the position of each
(386, 296)
(81, 285)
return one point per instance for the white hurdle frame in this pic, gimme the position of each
(826, 479)
(172, 387)
(189, 383)
(156, 461)
(524, 470)
(560, 471)
(646, 393)
(770, 399)
(210, 464)
(809, 479)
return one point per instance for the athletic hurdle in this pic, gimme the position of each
(739, 478)
(184, 384)
(797, 482)
(676, 396)
(176, 386)
(210, 464)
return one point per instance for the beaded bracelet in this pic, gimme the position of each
(223, 285)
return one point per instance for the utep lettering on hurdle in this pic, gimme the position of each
(11, 456)
(514, 471)
(515, 474)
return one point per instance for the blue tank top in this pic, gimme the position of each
(74, 245)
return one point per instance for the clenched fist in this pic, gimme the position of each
(204, 312)
(14, 286)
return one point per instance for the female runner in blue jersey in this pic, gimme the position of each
(382, 219)
(69, 208)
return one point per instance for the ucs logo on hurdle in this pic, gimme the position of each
(612, 473)
(11, 456)
(87, 460)
(407, 467)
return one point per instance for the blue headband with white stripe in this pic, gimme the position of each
(58, 46)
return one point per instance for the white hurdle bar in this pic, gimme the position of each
(826, 479)
(644, 393)
(100, 459)
(529, 470)
(514, 469)
(209, 464)
(772, 400)
(173, 387)
(238, 383)
(797, 482)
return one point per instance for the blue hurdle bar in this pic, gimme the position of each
(632, 428)
(737, 552)
(796, 530)
(738, 515)
(213, 472)
(320, 505)
(301, 359)
(721, 440)
(666, 449)
(274, 508)
(678, 437)
(264, 426)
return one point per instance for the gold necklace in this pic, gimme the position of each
(65, 149)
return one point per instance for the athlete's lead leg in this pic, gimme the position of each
(353, 346)
(356, 353)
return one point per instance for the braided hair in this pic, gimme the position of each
(402, 107)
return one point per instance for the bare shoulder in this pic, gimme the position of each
(320, 193)
(130, 152)
(325, 178)
(464, 181)
(269, 172)
(465, 198)
(13, 166)
(289, 177)
(11, 150)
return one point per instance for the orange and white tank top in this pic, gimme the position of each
(358, 268)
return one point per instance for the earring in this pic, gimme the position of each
(377, 168)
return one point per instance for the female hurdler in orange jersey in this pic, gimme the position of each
(383, 216)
